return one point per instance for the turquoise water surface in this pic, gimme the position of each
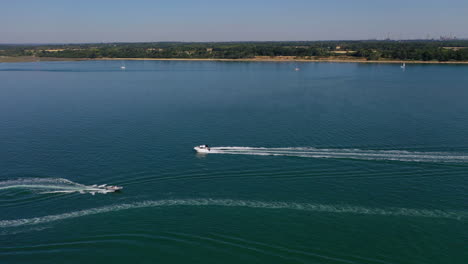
(335, 163)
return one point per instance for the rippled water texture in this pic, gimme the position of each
(335, 163)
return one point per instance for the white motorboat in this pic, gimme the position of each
(105, 187)
(202, 149)
(113, 188)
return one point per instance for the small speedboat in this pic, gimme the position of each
(202, 149)
(106, 187)
(113, 188)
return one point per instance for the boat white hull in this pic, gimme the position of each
(201, 150)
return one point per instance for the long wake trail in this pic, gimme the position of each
(49, 185)
(340, 209)
(359, 154)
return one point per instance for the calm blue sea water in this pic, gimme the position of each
(335, 163)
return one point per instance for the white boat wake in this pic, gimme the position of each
(360, 154)
(53, 185)
(323, 208)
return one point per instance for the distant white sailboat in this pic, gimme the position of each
(123, 66)
(403, 66)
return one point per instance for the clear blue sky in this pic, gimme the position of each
(50, 21)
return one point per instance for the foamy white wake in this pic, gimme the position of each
(361, 154)
(341, 209)
(50, 185)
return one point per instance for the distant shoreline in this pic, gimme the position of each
(266, 59)
(295, 60)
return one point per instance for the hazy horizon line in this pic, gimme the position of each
(231, 41)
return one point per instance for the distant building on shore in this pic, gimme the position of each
(450, 37)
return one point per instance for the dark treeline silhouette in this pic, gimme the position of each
(420, 50)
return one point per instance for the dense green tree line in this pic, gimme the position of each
(455, 50)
